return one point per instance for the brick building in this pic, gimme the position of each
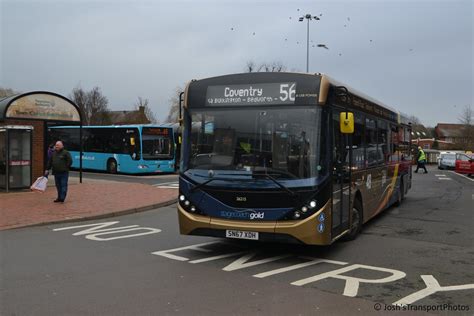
(24, 121)
(431, 143)
(452, 133)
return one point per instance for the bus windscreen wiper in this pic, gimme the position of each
(200, 185)
(255, 174)
(267, 176)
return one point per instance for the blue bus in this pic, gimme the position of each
(131, 149)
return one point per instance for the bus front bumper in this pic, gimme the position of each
(293, 231)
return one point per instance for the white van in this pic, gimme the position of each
(447, 160)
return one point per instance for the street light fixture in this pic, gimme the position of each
(308, 17)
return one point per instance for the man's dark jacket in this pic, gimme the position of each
(60, 161)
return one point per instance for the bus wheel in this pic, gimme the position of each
(356, 225)
(112, 166)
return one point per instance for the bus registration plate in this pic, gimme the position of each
(241, 234)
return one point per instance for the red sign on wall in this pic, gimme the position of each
(20, 163)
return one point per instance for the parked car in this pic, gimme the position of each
(447, 160)
(465, 164)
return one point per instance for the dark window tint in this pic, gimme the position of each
(99, 140)
(69, 137)
(358, 146)
(394, 144)
(382, 141)
(372, 155)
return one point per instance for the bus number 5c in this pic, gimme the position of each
(287, 92)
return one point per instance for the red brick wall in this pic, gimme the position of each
(39, 148)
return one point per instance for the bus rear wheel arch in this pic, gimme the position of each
(112, 166)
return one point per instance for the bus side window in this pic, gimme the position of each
(371, 142)
(337, 156)
(382, 141)
(394, 151)
(358, 147)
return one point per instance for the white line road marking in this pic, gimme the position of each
(218, 257)
(442, 177)
(352, 283)
(242, 263)
(197, 247)
(167, 185)
(298, 266)
(432, 286)
(464, 176)
(98, 229)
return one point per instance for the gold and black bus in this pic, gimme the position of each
(287, 157)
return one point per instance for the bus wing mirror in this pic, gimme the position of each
(180, 113)
(346, 120)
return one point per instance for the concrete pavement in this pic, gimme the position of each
(90, 200)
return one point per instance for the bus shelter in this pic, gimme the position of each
(24, 121)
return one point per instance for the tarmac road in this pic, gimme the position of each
(151, 269)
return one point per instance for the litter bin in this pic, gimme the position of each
(15, 157)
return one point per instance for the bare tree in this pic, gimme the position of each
(466, 118)
(93, 104)
(265, 67)
(79, 96)
(143, 103)
(99, 107)
(7, 92)
(173, 112)
(250, 67)
(414, 120)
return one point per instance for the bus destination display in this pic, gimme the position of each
(155, 131)
(251, 94)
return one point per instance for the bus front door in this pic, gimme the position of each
(341, 189)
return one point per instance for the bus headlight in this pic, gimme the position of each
(304, 211)
(187, 205)
(142, 167)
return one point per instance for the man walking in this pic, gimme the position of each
(421, 160)
(60, 162)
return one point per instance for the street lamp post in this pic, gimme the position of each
(308, 17)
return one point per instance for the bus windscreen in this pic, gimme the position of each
(283, 142)
(157, 143)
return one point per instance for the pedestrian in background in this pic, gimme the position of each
(60, 162)
(50, 150)
(421, 160)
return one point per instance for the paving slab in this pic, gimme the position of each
(94, 199)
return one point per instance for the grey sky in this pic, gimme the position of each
(420, 60)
